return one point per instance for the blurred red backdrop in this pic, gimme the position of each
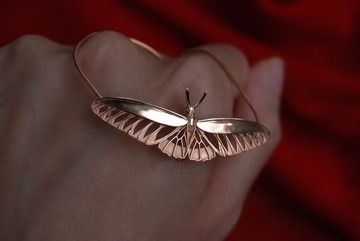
(310, 190)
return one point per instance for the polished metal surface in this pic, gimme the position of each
(149, 111)
(230, 125)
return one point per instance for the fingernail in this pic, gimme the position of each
(275, 70)
(270, 77)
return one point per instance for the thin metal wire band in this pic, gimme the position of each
(82, 74)
(76, 62)
(228, 75)
(158, 55)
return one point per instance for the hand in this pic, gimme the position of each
(67, 175)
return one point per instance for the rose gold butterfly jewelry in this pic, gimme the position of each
(174, 134)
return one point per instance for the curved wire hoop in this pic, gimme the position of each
(158, 55)
(83, 75)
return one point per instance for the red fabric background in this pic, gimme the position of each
(311, 188)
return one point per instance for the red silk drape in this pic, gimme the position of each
(311, 188)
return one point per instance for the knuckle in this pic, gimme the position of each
(113, 54)
(229, 53)
(29, 38)
(121, 45)
(110, 39)
(229, 48)
(232, 58)
(110, 36)
(33, 49)
(112, 48)
(33, 43)
(30, 56)
(200, 73)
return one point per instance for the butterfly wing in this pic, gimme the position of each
(230, 136)
(145, 122)
(176, 143)
(199, 147)
(154, 125)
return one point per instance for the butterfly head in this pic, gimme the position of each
(191, 107)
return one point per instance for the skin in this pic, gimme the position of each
(67, 175)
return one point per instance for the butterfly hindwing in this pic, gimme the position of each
(230, 136)
(175, 144)
(199, 148)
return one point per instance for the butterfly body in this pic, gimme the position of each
(191, 116)
(179, 136)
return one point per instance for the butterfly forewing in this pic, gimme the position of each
(147, 123)
(148, 111)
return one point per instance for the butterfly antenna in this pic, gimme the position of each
(187, 91)
(200, 100)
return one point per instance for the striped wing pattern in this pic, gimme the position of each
(199, 148)
(144, 130)
(180, 141)
(232, 144)
(175, 144)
